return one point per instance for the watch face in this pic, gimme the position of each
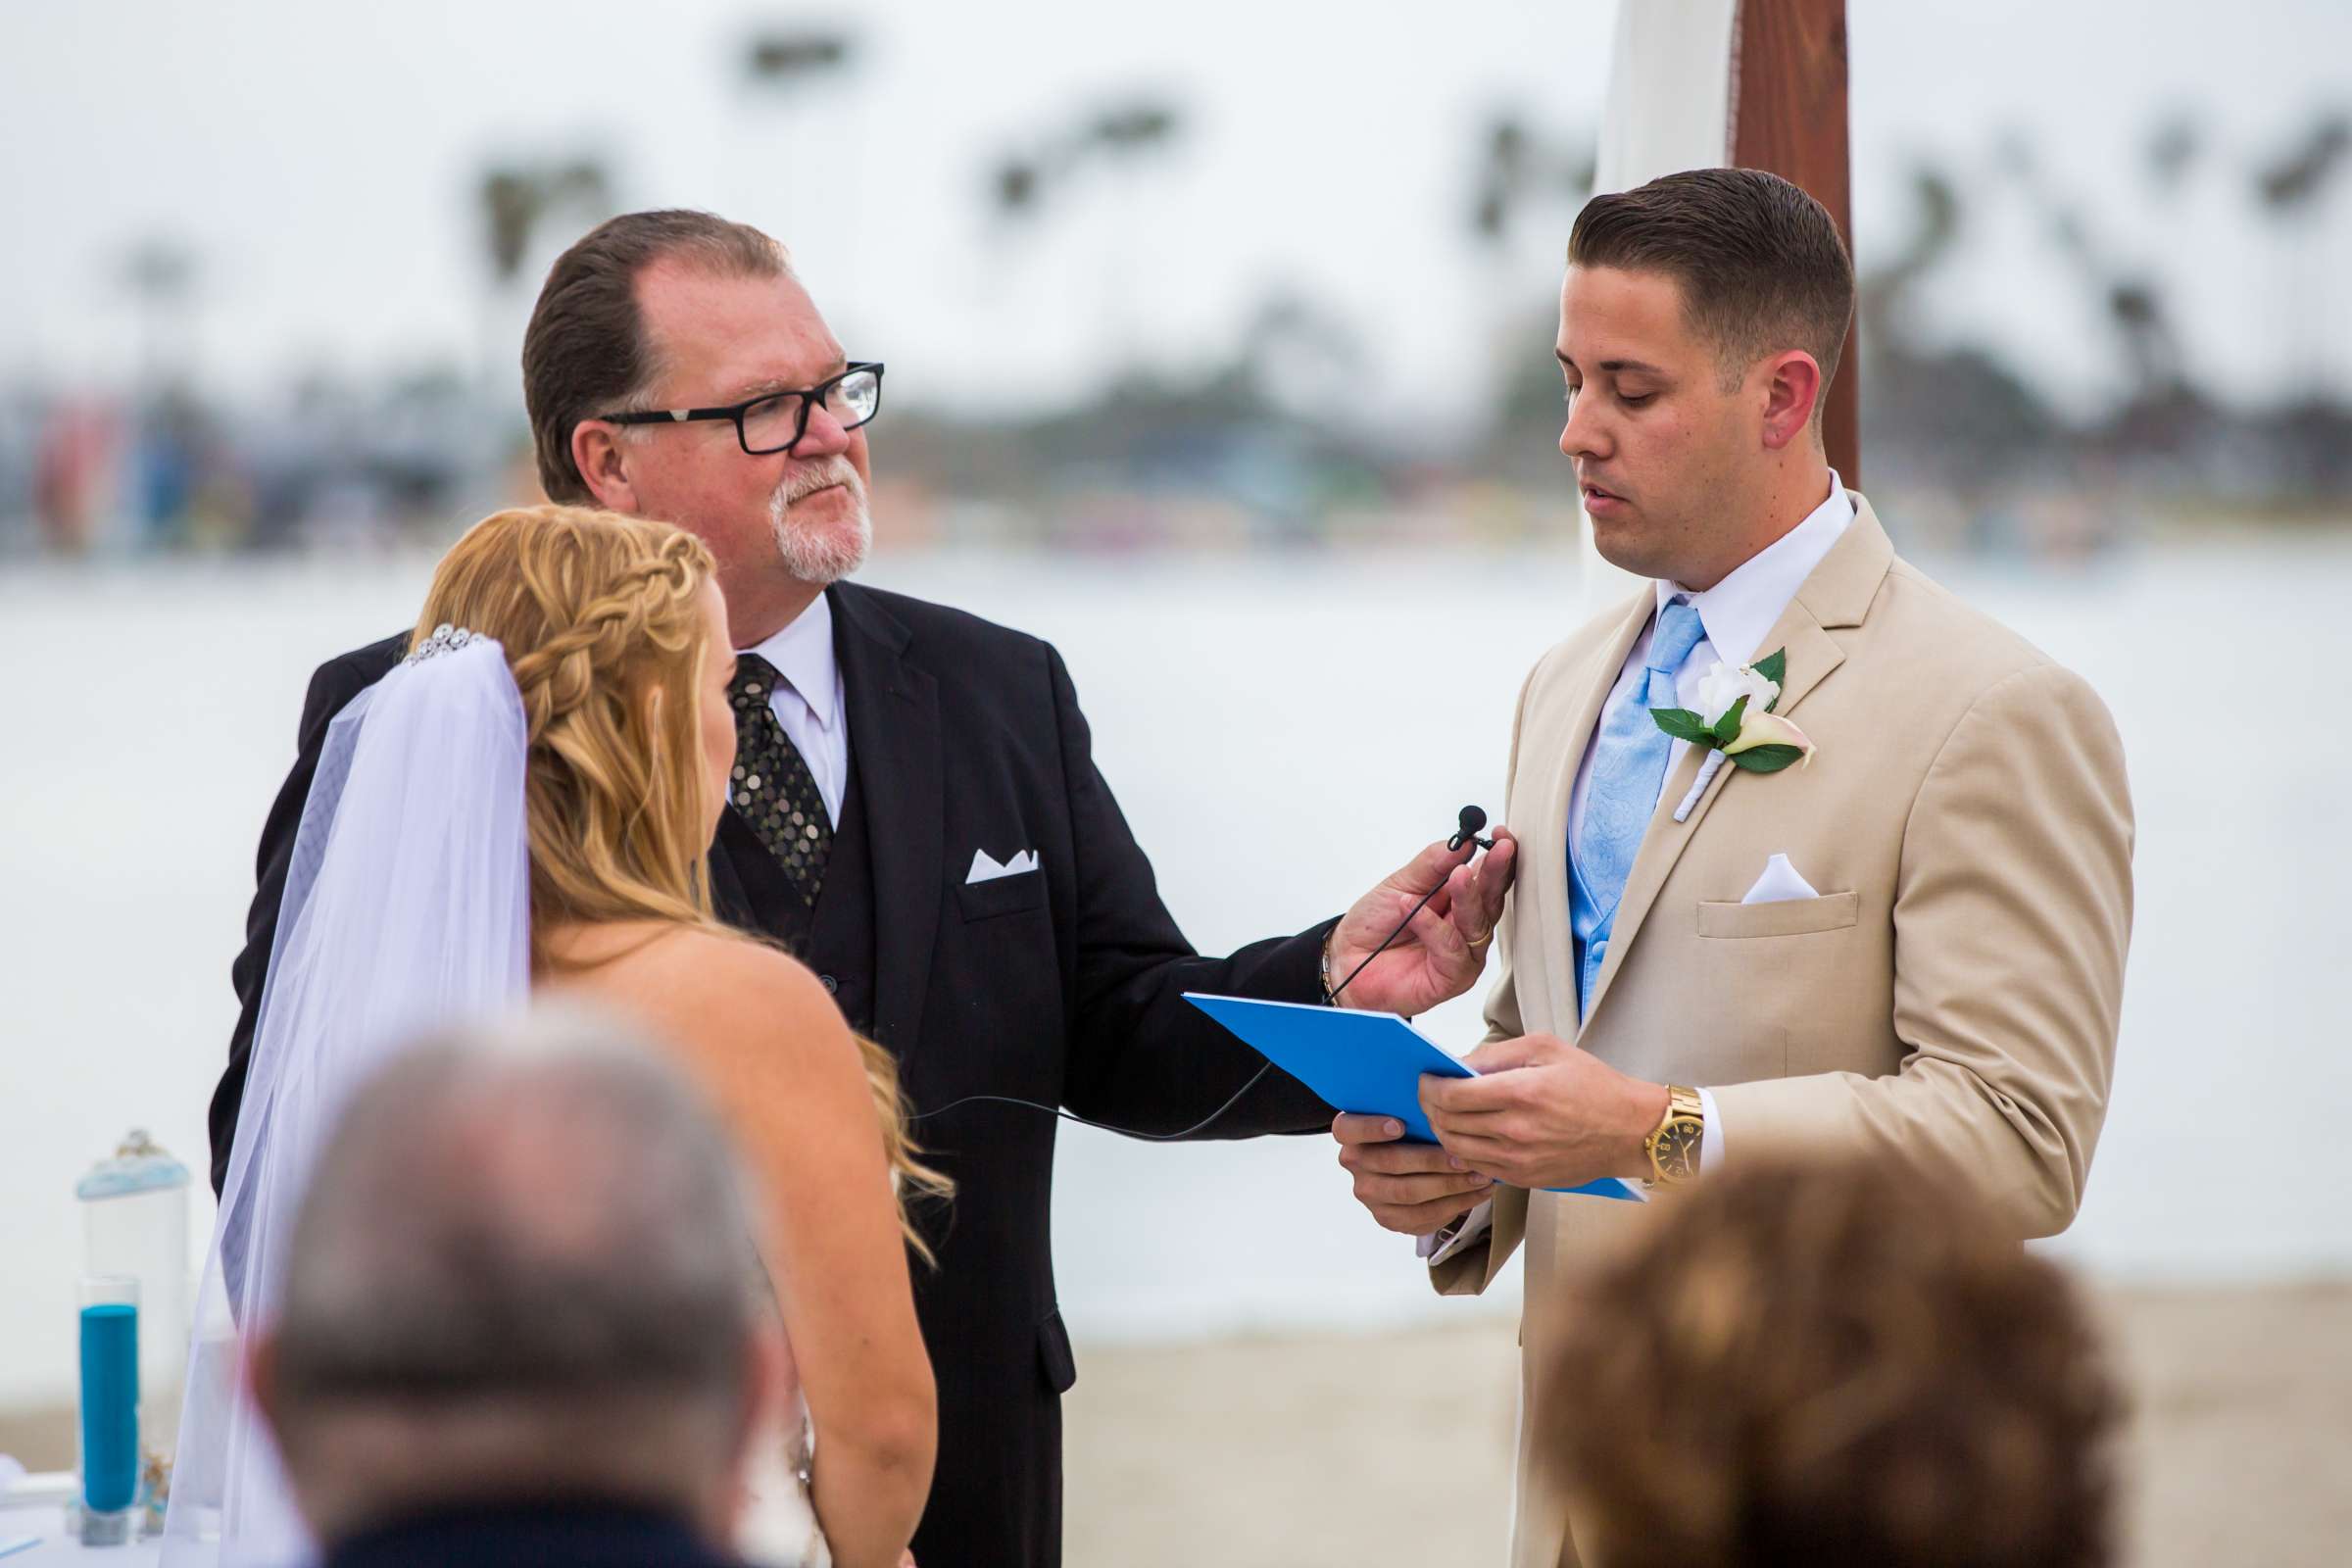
(1677, 1148)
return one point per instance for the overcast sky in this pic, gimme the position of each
(322, 160)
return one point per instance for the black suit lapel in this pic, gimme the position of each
(895, 747)
(735, 847)
(727, 897)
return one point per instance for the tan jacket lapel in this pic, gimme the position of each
(1834, 597)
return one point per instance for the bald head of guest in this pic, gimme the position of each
(523, 1273)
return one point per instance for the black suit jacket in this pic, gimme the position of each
(576, 1534)
(1061, 985)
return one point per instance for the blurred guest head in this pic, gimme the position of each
(1701, 320)
(1829, 1364)
(677, 311)
(523, 1273)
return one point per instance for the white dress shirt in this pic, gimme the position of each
(809, 701)
(1738, 615)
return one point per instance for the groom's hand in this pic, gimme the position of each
(1415, 1188)
(1438, 955)
(1544, 1113)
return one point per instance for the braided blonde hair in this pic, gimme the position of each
(597, 612)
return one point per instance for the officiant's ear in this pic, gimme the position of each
(600, 453)
(1793, 390)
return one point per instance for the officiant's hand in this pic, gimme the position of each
(1544, 1113)
(1440, 955)
(1411, 1186)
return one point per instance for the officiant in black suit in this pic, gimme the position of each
(917, 814)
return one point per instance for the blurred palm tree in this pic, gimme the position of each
(1112, 142)
(515, 199)
(1520, 169)
(2174, 147)
(790, 158)
(515, 202)
(1884, 294)
(1519, 174)
(2292, 191)
(780, 59)
(2128, 295)
(2294, 183)
(1115, 138)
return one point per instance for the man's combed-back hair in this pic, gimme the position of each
(1762, 264)
(585, 353)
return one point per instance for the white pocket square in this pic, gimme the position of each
(986, 870)
(1779, 884)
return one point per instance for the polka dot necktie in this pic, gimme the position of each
(773, 789)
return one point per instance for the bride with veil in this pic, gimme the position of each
(523, 806)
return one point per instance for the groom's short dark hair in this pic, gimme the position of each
(1762, 264)
(584, 352)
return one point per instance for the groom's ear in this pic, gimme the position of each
(602, 455)
(1793, 392)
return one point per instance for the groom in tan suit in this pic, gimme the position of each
(1890, 922)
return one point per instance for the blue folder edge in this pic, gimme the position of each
(1366, 1062)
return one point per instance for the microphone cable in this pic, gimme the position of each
(1471, 819)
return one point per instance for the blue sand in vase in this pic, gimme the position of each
(110, 1405)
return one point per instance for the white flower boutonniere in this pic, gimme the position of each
(1738, 719)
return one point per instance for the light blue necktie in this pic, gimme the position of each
(1629, 766)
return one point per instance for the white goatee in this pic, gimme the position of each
(821, 556)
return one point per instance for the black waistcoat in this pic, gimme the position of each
(836, 939)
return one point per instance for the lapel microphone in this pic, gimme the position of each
(1469, 820)
(1472, 819)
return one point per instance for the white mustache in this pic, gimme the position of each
(823, 474)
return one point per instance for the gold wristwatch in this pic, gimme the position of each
(1673, 1148)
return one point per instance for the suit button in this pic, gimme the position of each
(831, 985)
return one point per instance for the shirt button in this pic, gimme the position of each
(831, 985)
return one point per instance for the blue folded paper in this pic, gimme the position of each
(1371, 1064)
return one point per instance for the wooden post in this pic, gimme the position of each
(1789, 118)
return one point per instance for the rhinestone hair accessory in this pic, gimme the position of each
(446, 639)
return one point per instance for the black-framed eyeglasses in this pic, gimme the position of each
(778, 421)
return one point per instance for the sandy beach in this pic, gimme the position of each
(1279, 1452)
(1295, 1451)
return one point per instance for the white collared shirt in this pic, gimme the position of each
(1738, 615)
(810, 701)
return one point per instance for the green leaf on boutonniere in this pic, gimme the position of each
(1774, 667)
(1767, 758)
(1682, 725)
(1727, 728)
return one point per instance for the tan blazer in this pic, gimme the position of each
(1951, 1000)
